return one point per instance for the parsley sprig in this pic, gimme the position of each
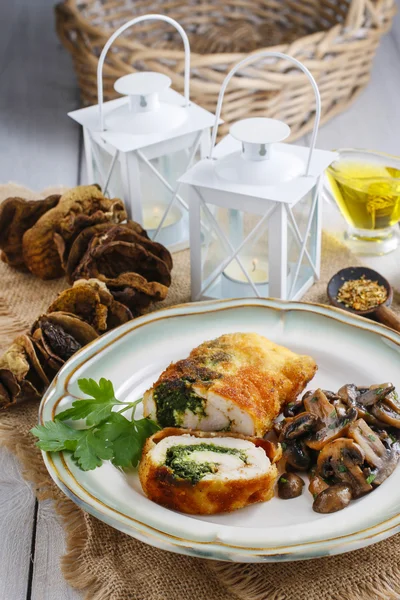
(109, 435)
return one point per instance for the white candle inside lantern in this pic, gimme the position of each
(235, 283)
(172, 229)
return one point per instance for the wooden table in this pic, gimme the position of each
(41, 146)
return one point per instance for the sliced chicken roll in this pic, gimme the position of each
(237, 382)
(207, 473)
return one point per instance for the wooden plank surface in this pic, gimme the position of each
(48, 582)
(40, 147)
(17, 508)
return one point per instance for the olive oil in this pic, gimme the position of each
(367, 194)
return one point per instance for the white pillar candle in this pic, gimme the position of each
(172, 230)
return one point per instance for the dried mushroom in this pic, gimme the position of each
(135, 291)
(120, 250)
(57, 336)
(51, 236)
(22, 377)
(82, 241)
(92, 301)
(17, 216)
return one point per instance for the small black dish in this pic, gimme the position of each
(350, 273)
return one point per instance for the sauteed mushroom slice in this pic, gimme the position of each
(386, 414)
(293, 408)
(298, 426)
(317, 485)
(335, 426)
(383, 460)
(290, 486)
(333, 498)
(318, 404)
(343, 459)
(350, 395)
(297, 455)
(374, 394)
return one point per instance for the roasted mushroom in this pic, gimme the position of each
(333, 498)
(382, 460)
(52, 234)
(299, 426)
(317, 485)
(363, 399)
(290, 486)
(342, 459)
(297, 455)
(17, 216)
(334, 426)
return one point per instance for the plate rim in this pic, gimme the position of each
(216, 548)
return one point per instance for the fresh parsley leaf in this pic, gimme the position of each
(284, 445)
(342, 468)
(283, 480)
(109, 435)
(127, 438)
(96, 410)
(370, 478)
(91, 450)
(55, 436)
(372, 437)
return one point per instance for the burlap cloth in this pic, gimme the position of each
(109, 565)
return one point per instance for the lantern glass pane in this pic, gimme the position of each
(102, 159)
(305, 242)
(223, 276)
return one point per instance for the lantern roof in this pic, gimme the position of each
(207, 173)
(196, 119)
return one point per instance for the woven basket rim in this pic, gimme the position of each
(72, 7)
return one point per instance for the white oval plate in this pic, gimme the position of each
(346, 348)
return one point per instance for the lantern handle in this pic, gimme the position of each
(252, 58)
(123, 28)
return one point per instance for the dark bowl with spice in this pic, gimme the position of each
(359, 290)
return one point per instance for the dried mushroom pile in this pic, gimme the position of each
(115, 269)
(348, 441)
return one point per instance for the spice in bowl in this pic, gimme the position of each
(362, 294)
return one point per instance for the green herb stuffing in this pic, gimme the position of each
(172, 399)
(108, 435)
(179, 460)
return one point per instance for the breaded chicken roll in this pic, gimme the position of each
(238, 382)
(207, 473)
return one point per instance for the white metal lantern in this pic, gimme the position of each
(255, 208)
(137, 146)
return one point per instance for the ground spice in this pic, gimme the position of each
(362, 294)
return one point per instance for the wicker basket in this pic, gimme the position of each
(335, 39)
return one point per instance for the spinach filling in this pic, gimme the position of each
(178, 459)
(172, 399)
